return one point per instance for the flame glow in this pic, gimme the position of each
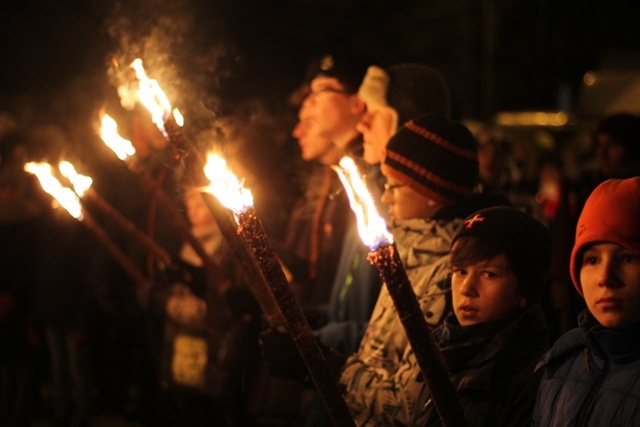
(153, 98)
(65, 196)
(177, 116)
(109, 134)
(371, 226)
(80, 182)
(226, 186)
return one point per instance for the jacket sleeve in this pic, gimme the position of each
(379, 397)
(383, 379)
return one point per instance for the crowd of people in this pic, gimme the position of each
(493, 254)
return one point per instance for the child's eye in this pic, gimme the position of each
(589, 260)
(489, 274)
(630, 258)
(458, 271)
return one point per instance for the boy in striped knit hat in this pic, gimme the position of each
(431, 169)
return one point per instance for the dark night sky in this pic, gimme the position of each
(55, 54)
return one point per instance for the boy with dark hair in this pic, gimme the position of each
(500, 262)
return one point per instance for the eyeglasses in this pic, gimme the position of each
(391, 187)
(315, 93)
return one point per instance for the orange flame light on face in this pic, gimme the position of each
(65, 196)
(80, 182)
(153, 98)
(371, 226)
(109, 134)
(226, 186)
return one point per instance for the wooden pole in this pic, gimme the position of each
(181, 144)
(250, 268)
(296, 322)
(95, 199)
(428, 355)
(143, 285)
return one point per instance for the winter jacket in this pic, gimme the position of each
(492, 368)
(377, 391)
(342, 321)
(316, 229)
(353, 297)
(591, 377)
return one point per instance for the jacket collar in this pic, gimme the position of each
(620, 345)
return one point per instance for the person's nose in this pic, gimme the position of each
(608, 274)
(308, 100)
(468, 287)
(298, 131)
(387, 197)
(364, 124)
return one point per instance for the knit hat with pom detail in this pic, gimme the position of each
(435, 156)
(610, 214)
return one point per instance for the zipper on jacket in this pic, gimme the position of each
(582, 418)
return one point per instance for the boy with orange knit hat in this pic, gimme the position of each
(591, 374)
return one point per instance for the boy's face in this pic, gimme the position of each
(611, 155)
(376, 127)
(313, 147)
(485, 292)
(491, 161)
(406, 203)
(333, 112)
(610, 279)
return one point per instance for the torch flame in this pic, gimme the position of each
(109, 134)
(153, 98)
(65, 196)
(177, 116)
(371, 226)
(226, 186)
(80, 182)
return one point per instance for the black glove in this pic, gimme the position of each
(284, 360)
(281, 355)
(315, 318)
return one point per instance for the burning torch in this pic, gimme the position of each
(231, 193)
(384, 255)
(71, 202)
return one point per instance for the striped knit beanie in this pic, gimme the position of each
(610, 214)
(435, 156)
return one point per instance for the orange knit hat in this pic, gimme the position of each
(611, 214)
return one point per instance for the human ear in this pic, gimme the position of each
(358, 105)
